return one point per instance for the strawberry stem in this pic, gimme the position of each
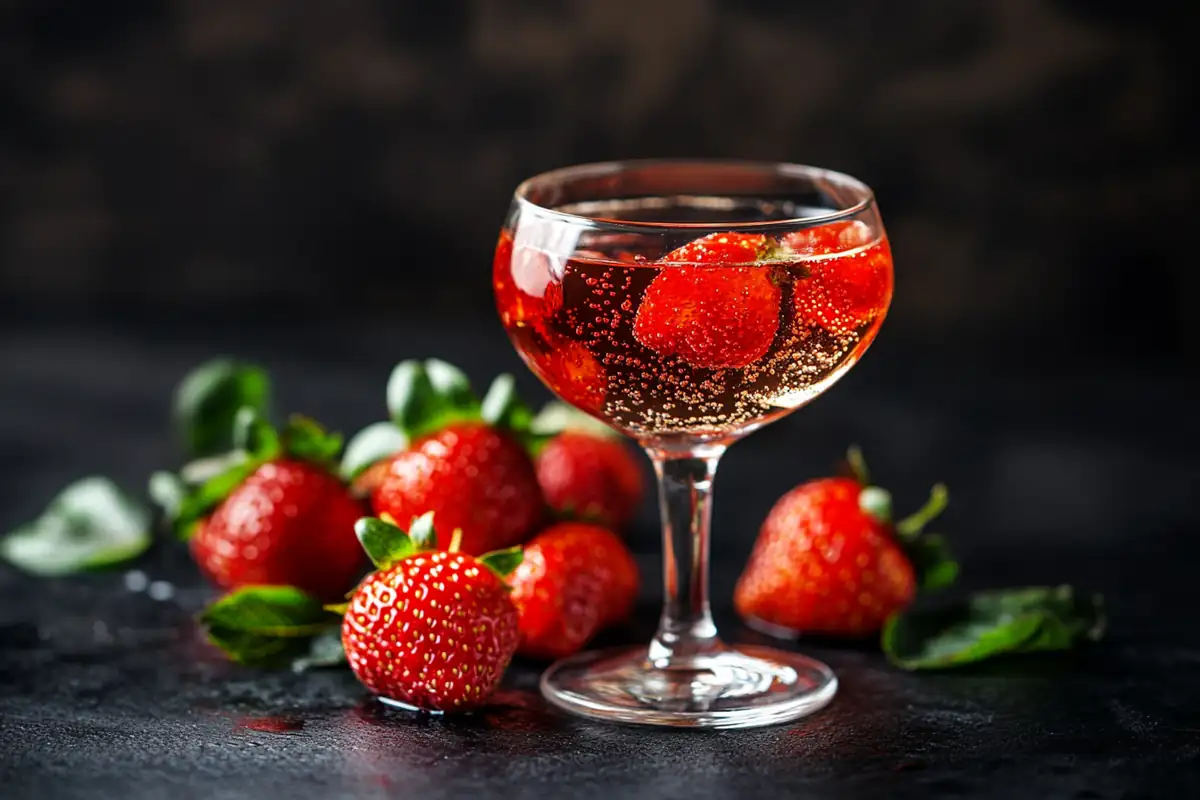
(910, 527)
(455, 540)
(858, 465)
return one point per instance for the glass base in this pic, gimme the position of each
(725, 688)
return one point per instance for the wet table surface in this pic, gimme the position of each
(107, 690)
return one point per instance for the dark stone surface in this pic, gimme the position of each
(1072, 475)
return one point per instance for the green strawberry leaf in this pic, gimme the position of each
(423, 536)
(324, 650)
(206, 496)
(993, 623)
(451, 383)
(370, 445)
(90, 524)
(423, 397)
(503, 562)
(503, 408)
(200, 470)
(934, 564)
(254, 434)
(557, 417)
(266, 625)
(305, 439)
(209, 397)
(384, 542)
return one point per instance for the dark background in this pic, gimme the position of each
(318, 186)
(1034, 159)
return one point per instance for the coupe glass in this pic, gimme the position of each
(687, 304)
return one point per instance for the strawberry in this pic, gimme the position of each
(585, 470)
(271, 512)
(590, 477)
(434, 630)
(571, 370)
(288, 523)
(823, 240)
(525, 289)
(842, 292)
(828, 560)
(574, 580)
(711, 315)
(447, 452)
(473, 477)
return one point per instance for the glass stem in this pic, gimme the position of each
(686, 628)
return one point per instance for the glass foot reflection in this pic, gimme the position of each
(728, 688)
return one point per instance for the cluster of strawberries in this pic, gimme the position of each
(533, 563)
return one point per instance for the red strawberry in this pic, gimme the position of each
(288, 523)
(526, 292)
(433, 630)
(590, 477)
(842, 293)
(828, 560)
(711, 315)
(573, 372)
(575, 579)
(836, 237)
(474, 478)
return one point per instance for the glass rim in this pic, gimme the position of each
(550, 178)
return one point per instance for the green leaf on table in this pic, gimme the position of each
(503, 562)
(993, 623)
(556, 417)
(324, 650)
(90, 524)
(384, 542)
(423, 397)
(370, 445)
(256, 649)
(208, 399)
(276, 610)
(263, 625)
(934, 564)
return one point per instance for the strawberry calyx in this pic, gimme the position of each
(208, 399)
(386, 544)
(201, 486)
(423, 397)
(928, 552)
